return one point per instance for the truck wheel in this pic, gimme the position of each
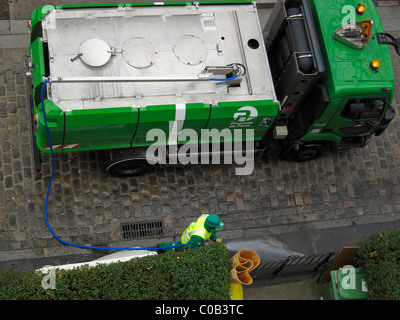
(308, 152)
(304, 153)
(128, 168)
(124, 162)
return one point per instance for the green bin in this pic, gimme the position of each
(346, 284)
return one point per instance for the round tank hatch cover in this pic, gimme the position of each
(190, 50)
(95, 52)
(139, 53)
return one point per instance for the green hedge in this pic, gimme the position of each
(379, 257)
(201, 274)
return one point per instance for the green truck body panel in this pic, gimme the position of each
(92, 129)
(119, 127)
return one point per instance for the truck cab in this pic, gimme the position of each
(349, 99)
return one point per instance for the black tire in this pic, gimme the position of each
(305, 153)
(125, 162)
(128, 168)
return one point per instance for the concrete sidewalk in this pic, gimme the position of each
(294, 288)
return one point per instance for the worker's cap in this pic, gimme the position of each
(213, 221)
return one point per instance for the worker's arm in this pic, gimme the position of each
(214, 235)
(195, 242)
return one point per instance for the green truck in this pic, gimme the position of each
(144, 83)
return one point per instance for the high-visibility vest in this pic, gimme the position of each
(196, 229)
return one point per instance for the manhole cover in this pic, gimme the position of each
(139, 53)
(190, 50)
(95, 52)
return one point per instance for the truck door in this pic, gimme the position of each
(360, 116)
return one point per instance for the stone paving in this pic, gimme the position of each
(87, 206)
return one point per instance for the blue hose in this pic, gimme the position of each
(226, 79)
(48, 192)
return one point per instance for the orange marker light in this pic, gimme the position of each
(360, 9)
(374, 65)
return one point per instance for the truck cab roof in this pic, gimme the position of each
(346, 66)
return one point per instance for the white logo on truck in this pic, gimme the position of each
(245, 115)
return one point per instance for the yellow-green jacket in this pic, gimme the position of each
(196, 234)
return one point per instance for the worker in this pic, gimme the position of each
(200, 231)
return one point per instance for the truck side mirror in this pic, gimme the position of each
(390, 113)
(383, 39)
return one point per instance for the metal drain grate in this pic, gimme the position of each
(141, 229)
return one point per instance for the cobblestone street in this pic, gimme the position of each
(87, 206)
